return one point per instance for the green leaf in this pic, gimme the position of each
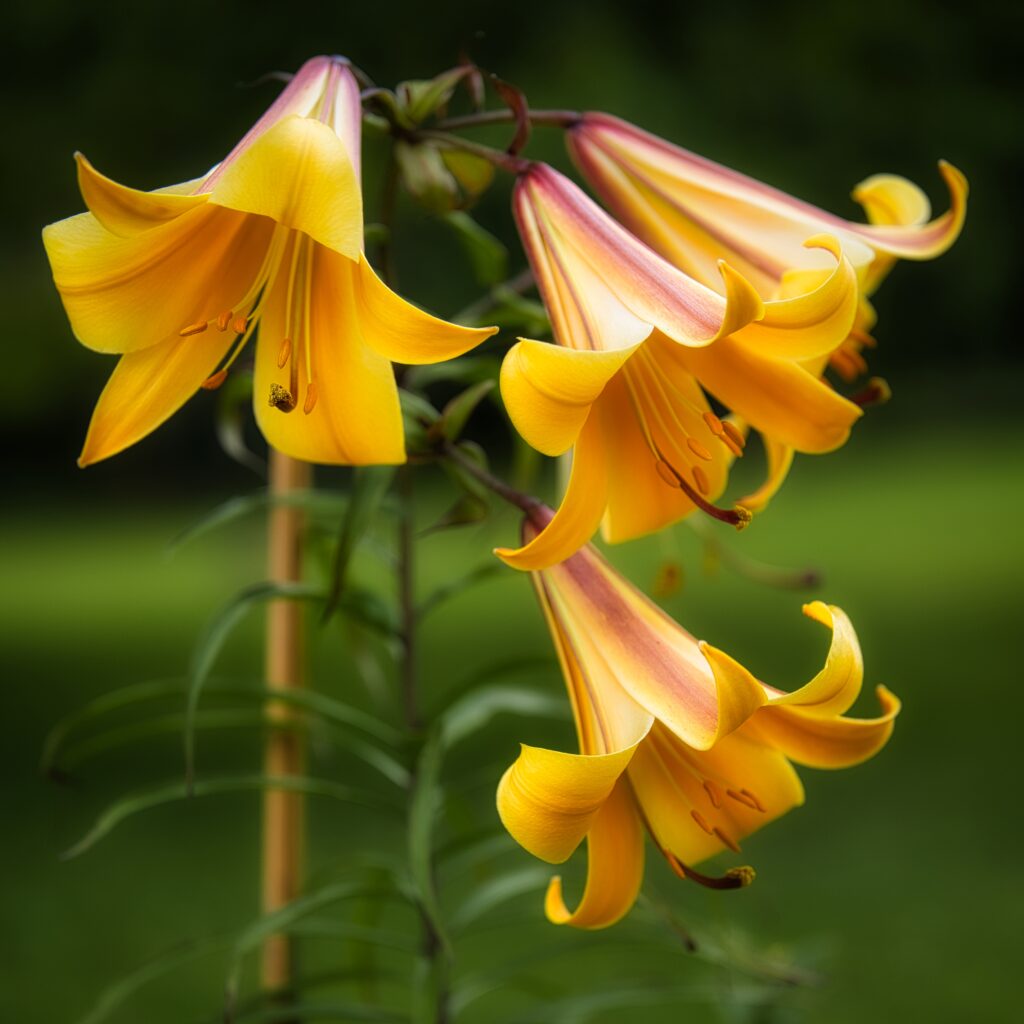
(213, 638)
(492, 672)
(425, 176)
(369, 486)
(475, 710)
(234, 402)
(423, 808)
(516, 313)
(125, 808)
(243, 505)
(487, 254)
(455, 587)
(473, 173)
(468, 509)
(332, 1011)
(464, 370)
(499, 890)
(457, 411)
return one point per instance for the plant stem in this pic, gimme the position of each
(284, 752)
(526, 502)
(555, 118)
(498, 157)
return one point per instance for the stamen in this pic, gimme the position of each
(196, 328)
(877, 392)
(701, 480)
(281, 398)
(728, 840)
(734, 878)
(224, 319)
(239, 325)
(753, 796)
(311, 397)
(734, 433)
(714, 423)
(667, 473)
(215, 380)
(746, 798)
(737, 516)
(699, 818)
(285, 354)
(732, 446)
(698, 449)
(863, 338)
(713, 795)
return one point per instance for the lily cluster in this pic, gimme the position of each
(704, 306)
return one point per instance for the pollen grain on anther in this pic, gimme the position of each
(281, 398)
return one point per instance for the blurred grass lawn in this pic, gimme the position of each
(898, 879)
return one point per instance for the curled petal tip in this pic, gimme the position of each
(827, 242)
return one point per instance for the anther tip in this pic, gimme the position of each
(744, 517)
(744, 874)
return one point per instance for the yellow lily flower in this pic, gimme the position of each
(636, 342)
(178, 280)
(695, 212)
(675, 738)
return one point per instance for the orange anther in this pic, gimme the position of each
(744, 798)
(753, 796)
(727, 840)
(699, 818)
(240, 324)
(734, 432)
(731, 445)
(698, 449)
(700, 478)
(713, 795)
(714, 423)
(215, 380)
(666, 473)
(224, 319)
(285, 354)
(196, 328)
(311, 396)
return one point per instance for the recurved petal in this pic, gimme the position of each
(777, 397)
(908, 239)
(548, 390)
(812, 322)
(779, 458)
(298, 173)
(127, 211)
(353, 415)
(615, 867)
(123, 294)
(146, 388)
(821, 741)
(548, 800)
(404, 333)
(580, 512)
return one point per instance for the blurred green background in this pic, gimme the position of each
(897, 883)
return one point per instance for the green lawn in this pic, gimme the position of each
(896, 881)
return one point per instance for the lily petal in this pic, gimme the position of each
(355, 417)
(580, 512)
(780, 458)
(147, 388)
(826, 742)
(548, 800)
(298, 173)
(124, 294)
(548, 390)
(127, 211)
(615, 867)
(404, 333)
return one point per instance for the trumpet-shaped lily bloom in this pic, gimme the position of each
(270, 242)
(676, 739)
(695, 212)
(637, 342)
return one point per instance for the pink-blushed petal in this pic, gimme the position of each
(126, 294)
(822, 741)
(579, 513)
(548, 390)
(299, 174)
(615, 867)
(127, 211)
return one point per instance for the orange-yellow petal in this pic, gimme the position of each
(404, 333)
(298, 173)
(779, 458)
(821, 741)
(615, 867)
(354, 416)
(123, 294)
(127, 211)
(579, 514)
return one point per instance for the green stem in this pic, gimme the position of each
(554, 118)
(501, 159)
(525, 502)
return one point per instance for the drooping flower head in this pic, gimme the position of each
(636, 343)
(269, 243)
(676, 739)
(695, 212)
